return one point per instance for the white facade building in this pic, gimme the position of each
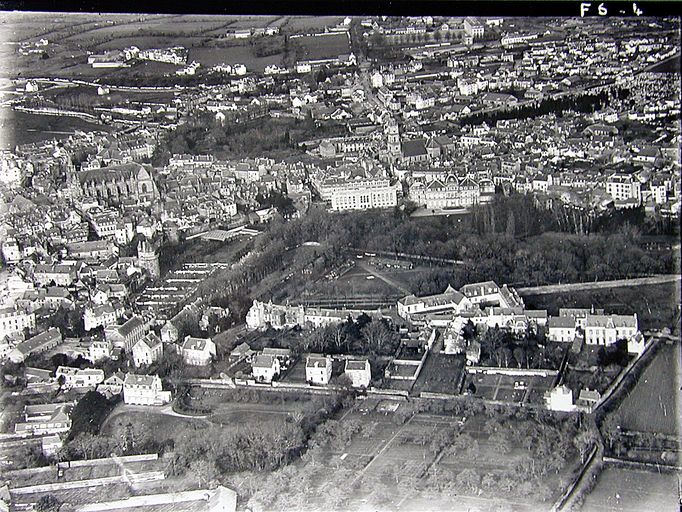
(318, 369)
(198, 351)
(359, 372)
(265, 367)
(144, 390)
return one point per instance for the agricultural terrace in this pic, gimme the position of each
(629, 490)
(403, 461)
(653, 404)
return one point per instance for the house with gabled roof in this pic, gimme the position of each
(607, 329)
(144, 390)
(414, 151)
(449, 300)
(112, 385)
(359, 372)
(46, 419)
(127, 334)
(265, 367)
(147, 350)
(198, 351)
(240, 352)
(318, 369)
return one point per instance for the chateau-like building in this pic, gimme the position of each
(452, 193)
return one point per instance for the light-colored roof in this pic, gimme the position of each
(314, 361)
(133, 379)
(356, 365)
(191, 343)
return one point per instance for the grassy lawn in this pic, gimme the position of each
(164, 427)
(631, 491)
(321, 47)
(653, 404)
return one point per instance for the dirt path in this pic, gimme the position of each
(598, 285)
(380, 275)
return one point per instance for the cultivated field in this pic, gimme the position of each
(442, 373)
(653, 405)
(388, 467)
(627, 490)
(507, 388)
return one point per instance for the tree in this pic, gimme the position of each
(500, 442)
(378, 335)
(584, 441)
(610, 429)
(469, 479)
(205, 471)
(88, 446)
(48, 503)
(89, 413)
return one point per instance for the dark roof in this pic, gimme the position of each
(414, 147)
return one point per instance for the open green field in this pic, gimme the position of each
(628, 490)
(653, 405)
(657, 306)
(321, 47)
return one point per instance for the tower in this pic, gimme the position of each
(148, 259)
(393, 137)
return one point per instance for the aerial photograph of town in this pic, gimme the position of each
(339, 263)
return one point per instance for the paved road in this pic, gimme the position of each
(598, 285)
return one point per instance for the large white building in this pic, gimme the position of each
(449, 300)
(624, 187)
(607, 329)
(359, 372)
(361, 194)
(452, 193)
(45, 419)
(265, 367)
(147, 350)
(144, 390)
(77, 378)
(14, 321)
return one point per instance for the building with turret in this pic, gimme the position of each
(148, 258)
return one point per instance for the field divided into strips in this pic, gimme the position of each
(628, 490)
(653, 404)
(508, 388)
(441, 373)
